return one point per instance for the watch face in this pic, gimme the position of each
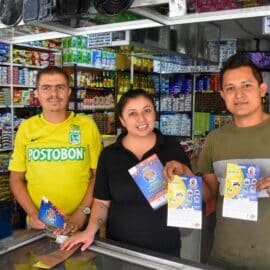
(86, 210)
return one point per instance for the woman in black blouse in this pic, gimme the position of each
(117, 199)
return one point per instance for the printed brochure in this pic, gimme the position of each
(240, 194)
(185, 202)
(148, 176)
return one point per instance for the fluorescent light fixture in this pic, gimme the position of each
(131, 25)
(35, 37)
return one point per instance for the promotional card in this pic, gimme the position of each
(50, 215)
(148, 176)
(240, 194)
(185, 202)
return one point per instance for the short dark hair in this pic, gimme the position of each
(52, 70)
(130, 94)
(239, 60)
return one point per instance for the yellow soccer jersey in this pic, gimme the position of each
(57, 158)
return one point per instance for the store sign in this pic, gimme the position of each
(266, 25)
(99, 40)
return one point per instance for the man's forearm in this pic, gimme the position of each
(88, 197)
(210, 187)
(19, 190)
(207, 194)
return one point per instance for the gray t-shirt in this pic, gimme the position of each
(239, 244)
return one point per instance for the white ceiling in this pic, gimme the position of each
(249, 30)
(240, 23)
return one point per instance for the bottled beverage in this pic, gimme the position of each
(126, 84)
(111, 80)
(121, 84)
(105, 80)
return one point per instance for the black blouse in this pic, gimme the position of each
(131, 220)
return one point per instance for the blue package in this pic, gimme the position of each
(50, 215)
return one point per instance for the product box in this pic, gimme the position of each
(148, 176)
(50, 215)
(74, 42)
(73, 55)
(220, 51)
(4, 48)
(185, 202)
(96, 58)
(17, 97)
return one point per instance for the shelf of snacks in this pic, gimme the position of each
(6, 132)
(19, 65)
(76, 52)
(93, 80)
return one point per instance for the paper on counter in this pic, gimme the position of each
(48, 261)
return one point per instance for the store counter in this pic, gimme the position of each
(20, 252)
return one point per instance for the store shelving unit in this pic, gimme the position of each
(94, 93)
(19, 81)
(150, 17)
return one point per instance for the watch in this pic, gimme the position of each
(85, 209)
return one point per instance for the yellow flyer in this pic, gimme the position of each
(185, 202)
(240, 194)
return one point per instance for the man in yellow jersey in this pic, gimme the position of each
(55, 155)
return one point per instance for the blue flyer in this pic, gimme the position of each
(148, 176)
(50, 215)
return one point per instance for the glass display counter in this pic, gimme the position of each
(20, 252)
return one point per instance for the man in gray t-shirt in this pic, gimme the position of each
(238, 244)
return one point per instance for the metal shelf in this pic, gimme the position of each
(28, 66)
(23, 86)
(36, 48)
(87, 66)
(148, 18)
(5, 150)
(212, 16)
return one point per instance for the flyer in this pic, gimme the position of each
(148, 176)
(50, 215)
(240, 194)
(185, 202)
